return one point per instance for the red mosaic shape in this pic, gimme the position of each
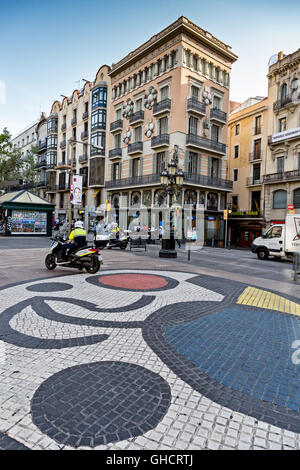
(134, 281)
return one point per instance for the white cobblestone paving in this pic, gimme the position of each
(192, 421)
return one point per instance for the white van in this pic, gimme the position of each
(280, 240)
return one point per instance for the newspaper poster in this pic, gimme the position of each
(76, 190)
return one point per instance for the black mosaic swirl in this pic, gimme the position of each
(7, 443)
(102, 402)
(49, 287)
(96, 280)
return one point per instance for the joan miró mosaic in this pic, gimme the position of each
(93, 361)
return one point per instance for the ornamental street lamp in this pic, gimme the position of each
(226, 213)
(171, 180)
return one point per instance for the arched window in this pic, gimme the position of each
(283, 93)
(296, 201)
(279, 199)
(294, 89)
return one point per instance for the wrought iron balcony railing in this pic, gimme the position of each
(133, 181)
(253, 156)
(116, 125)
(154, 178)
(160, 140)
(218, 115)
(293, 175)
(281, 103)
(136, 147)
(84, 135)
(204, 180)
(117, 152)
(251, 181)
(85, 115)
(207, 144)
(136, 117)
(83, 158)
(194, 105)
(164, 105)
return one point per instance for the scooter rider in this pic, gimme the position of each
(77, 239)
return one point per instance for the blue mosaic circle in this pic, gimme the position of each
(97, 403)
(248, 350)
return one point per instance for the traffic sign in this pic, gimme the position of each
(290, 207)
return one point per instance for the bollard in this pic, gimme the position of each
(296, 264)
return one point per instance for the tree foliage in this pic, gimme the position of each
(12, 165)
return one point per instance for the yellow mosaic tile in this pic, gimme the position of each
(265, 299)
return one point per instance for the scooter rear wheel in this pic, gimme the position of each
(50, 262)
(93, 267)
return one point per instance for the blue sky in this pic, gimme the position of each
(46, 47)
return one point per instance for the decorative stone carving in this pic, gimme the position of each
(150, 98)
(149, 128)
(127, 136)
(128, 108)
(207, 95)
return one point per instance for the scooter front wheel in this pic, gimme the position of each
(50, 262)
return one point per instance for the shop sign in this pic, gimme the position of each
(245, 213)
(211, 218)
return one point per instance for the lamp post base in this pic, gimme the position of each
(168, 248)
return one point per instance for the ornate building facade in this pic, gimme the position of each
(171, 91)
(247, 142)
(282, 173)
(76, 143)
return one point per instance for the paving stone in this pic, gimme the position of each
(52, 330)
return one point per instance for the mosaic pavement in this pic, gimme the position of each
(141, 359)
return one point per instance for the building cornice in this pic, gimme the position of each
(182, 25)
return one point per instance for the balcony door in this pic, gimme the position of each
(255, 201)
(214, 167)
(193, 125)
(215, 133)
(256, 172)
(257, 149)
(163, 126)
(280, 164)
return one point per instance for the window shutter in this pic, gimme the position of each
(154, 166)
(111, 171)
(220, 169)
(198, 163)
(166, 160)
(141, 165)
(120, 171)
(209, 166)
(130, 168)
(186, 162)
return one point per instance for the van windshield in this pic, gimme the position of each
(274, 232)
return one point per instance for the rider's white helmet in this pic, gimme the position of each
(79, 224)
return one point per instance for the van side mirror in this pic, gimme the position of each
(263, 235)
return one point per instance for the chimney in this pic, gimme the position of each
(280, 55)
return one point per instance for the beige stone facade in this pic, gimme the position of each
(247, 143)
(171, 91)
(282, 175)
